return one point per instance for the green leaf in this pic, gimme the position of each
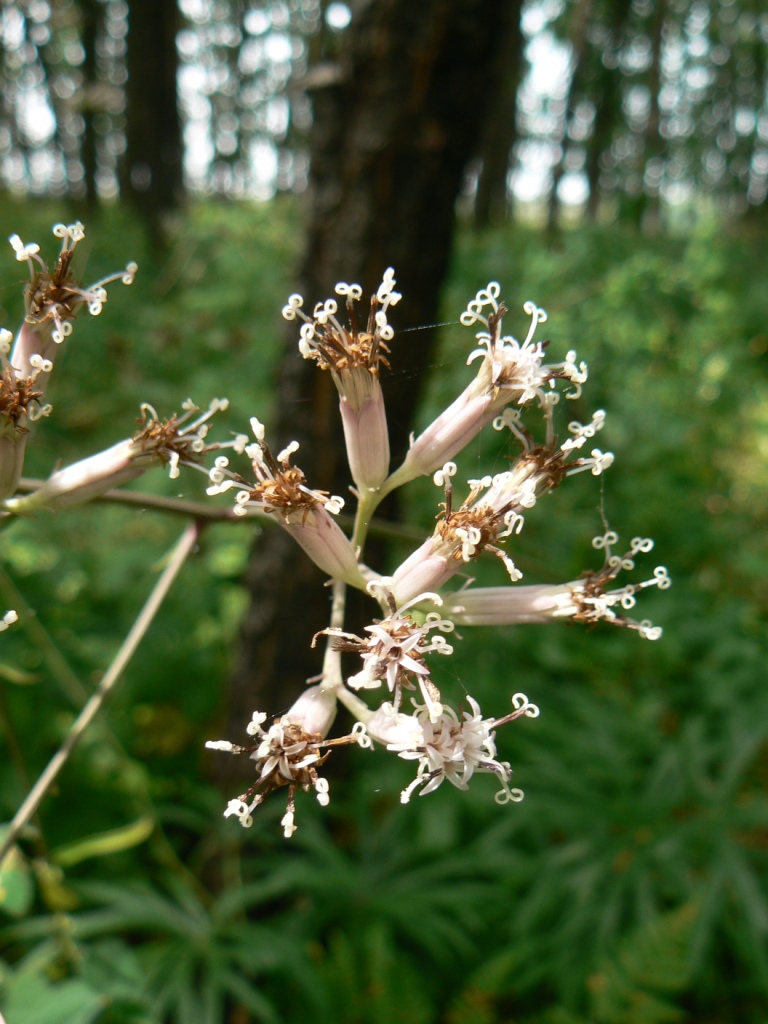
(104, 843)
(17, 888)
(30, 998)
(653, 959)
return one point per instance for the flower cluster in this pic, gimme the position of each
(387, 677)
(354, 357)
(53, 298)
(394, 656)
(288, 754)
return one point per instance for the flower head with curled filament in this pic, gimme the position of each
(281, 491)
(175, 442)
(455, 748)
(280, 488)
(477, 524)
(509, 366)
(20, 397)
(594, 601)
(394, 651)
(289, 754)
(556, 461)
(53, 296)
(338, 348)
(496, 505)
(179, 440)
(354, 356)
(463, 534)
(510, 373)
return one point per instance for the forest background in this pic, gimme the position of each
(608, 160)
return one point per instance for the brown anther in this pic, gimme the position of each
(16, 395)
(53, 294)
(163, 438)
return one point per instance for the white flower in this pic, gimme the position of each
(394, 651)
(455, 748)
(54, 297)
(8, 619)
(288, 754)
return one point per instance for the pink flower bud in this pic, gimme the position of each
(87, 479)
(426, 570)
(314, 711)
(364, 419)
(325, 542)
(504, 606)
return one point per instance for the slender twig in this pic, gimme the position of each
(176, 560)
(212, 513)
(72, 687)
(195, 509)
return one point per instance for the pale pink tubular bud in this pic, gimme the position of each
(314, 711)
(364, 419)
(87, 479)
(33, 340)
(449, 433)
(506, 606)
(320, 536)
(426, 570)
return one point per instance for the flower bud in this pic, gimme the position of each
(316, 532)
(388, 726)
(364, 419)
(87, 479)
(315, 711)
(428, 568)
(505, 606)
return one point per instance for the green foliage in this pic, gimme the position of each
(630, 885)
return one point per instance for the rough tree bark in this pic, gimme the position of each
(91, 13)
(396, 120)
(578, 24)
(152, 178)
(500, 122)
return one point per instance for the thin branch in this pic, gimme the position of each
(195, 509)
(205, 512)
(176, 560)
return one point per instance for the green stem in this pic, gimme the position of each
(356, 707)
(332, 677)
(176, 560)
(366, 506)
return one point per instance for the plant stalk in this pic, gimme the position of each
(178, 556)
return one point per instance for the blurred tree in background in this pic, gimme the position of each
(630, 886)
(632, 103)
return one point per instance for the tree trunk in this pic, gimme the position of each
(653, 143)
(152, 178)
(395, 123)
(500, 131)
(90, 13)
(577, 37)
